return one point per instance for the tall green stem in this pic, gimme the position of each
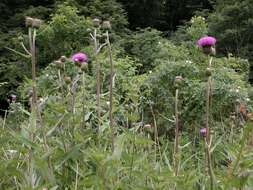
(96, 43)
(111, 89)
(176, 144)
(207, 139)
(32, 37)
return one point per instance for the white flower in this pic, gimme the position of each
(237, 90)
(150, 72)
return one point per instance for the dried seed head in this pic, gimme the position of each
(96, 22)
(106, 25)
(32, 22)
(36, 23)
(28, 21)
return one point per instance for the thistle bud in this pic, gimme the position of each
(20, 38)
(84, 66)
(96, 22)
(104, 36)
(59, 64)
(232, 116)
(67, 79)
(203, 132)
(148, 128)
(106, 25)
(77, 63)
(63, 59)
(178, 81)
(208, 71)
(88, 30)
(99, 36)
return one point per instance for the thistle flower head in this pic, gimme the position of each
(203, 132)
(79, 57)
(13, 97)
(206, 41)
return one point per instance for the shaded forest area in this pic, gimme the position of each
(227, 19)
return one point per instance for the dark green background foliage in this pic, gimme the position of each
(226, 19)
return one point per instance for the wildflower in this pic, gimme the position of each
(79, 58)
(13, 97)
(188, 61)
(207, 43)
(203, 132)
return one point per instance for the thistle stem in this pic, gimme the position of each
(32, 38)
(207, 139)
(176, 144)
(83, 96)
(110, 88)
(96, 43)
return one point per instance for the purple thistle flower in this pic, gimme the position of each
(203, 132)
(79, 57)
(206, 41)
